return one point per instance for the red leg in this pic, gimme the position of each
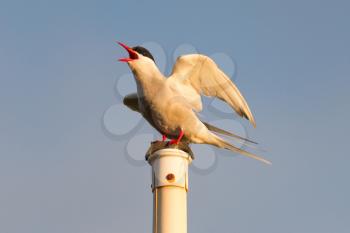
(164, 138)
(176, 141)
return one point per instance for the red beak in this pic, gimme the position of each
(132, 54)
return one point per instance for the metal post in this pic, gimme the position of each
(169, 187)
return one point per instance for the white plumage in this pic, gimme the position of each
(170, 104)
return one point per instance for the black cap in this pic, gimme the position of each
(143, 51)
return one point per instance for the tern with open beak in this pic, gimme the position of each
(171, 104)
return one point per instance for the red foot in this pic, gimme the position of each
(164, 138)
(176, 141)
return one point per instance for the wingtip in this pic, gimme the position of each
(249, 117)
(254, 124)
(252, 120)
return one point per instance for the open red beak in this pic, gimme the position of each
(132, 54)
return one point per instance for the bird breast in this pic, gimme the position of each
(162, 109)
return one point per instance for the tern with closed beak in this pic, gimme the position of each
(171, 104)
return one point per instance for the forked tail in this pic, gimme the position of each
(219, 142)
(224, 132)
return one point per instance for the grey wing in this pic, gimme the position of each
(224, 132)
(198, 74)
(132, 102)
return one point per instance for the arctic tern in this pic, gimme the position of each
(171, 104)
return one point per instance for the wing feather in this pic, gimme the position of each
(200, 73)
(132, 101)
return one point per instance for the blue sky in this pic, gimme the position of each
(61, 172)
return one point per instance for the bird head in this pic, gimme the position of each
(139, 57)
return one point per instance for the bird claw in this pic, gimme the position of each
(164, 138)
(176, 141)
(173, 142)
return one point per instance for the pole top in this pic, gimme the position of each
(169, 164)
(159, 145)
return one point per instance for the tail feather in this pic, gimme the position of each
(223, 144)
(224, 132)
(247, 142)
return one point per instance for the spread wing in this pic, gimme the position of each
(197, 74)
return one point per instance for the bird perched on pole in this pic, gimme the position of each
(170, 104)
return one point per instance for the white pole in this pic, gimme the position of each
(169, 186)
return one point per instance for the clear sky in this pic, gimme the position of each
(61, 171)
